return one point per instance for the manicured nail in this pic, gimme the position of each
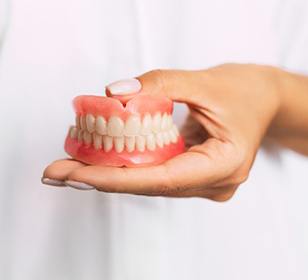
(53, 182)
(124, 87)
(79, 185)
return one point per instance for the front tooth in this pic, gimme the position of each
(166, 138)
(164, 122)
(90, 121)
(172, 136)
(77, 120)
(140, 143)
(100, 125)
(146, 125)
(119, 144)
(115, 127)
(156, 127)
(80, 136)
(132, 126)
(130, 143)
(150, 142)
(107, 141)
(87, 137)
(97, 141)
(73, 132)
(83, 122)
(159, 139)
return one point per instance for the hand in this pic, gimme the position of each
(231, 108)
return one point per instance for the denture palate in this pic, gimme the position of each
(148, 132)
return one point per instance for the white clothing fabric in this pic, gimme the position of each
(57, 49)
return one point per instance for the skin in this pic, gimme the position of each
(232, 109)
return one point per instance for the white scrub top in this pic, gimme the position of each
(57, 49)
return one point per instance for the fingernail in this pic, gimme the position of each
(124, 87)
(79, 185)
(53, 182)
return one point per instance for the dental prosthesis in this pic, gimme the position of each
(139, 132)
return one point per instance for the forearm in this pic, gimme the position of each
(290, 126)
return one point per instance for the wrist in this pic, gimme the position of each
(291, 118)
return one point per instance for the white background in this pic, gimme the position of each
(57, 49)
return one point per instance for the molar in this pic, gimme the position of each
(80, 136)
(77, 121)
(164, 122)
(172, 136)
(166, 138)
(73, 132)
(83, 122)
(115, 126)
(175, 130)
(87, 137)
(169, 122)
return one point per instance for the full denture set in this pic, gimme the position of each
(139, 132)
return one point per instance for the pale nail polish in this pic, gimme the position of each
(124, 87)
(53, 182)
(79, 185)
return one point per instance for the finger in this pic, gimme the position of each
(198, 168)
(56, 173)
(123, 90)
(178, 85)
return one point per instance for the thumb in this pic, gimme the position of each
(178, 85)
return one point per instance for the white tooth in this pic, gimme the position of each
(77, 120)
(150, 142)
(119, 144)
(146, 125)
(166, 138)
(159, 139)
(73, 132)
(156, 126)
(164, 122)
(100, 125)
(130, 143)
(83, 122)
(172, 136)
(132, 126)
(140, 143)
(90, 121)
(175, 130)
(115, 127)
(97, 141)
(80, 136)
(169, 122)
(87, 137)
(107, 140)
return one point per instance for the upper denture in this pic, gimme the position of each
(107, 107)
